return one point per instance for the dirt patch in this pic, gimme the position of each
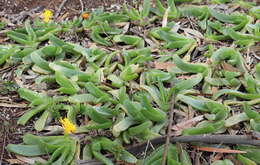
(8, 129)
(17, 6)
(10, 132)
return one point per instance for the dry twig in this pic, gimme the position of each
(210, 139)
(169, 131)
(60, 7)
(81, 5)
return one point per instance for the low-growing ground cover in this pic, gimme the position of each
(158, 83)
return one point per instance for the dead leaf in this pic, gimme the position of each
(53, 130)
(77, 155)
(193, 32)
(180, 113)
(220, 150)
(164, 65)
(14, 161)
(30, 160)
(126, 27)
(214, 90)
(186, 124)
(150, 42)
(229, 67)
(176, 27)
(165, 17)
(190, 113)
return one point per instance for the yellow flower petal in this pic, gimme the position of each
(68, 126)
(47, 15)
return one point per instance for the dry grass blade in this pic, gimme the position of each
(60, 8)
(31, 160)
(13, 105)
(14, 161)
(220, 150)
(62, 17)
(165, 17)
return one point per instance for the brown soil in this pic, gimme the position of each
(9, 131)
(17, 6)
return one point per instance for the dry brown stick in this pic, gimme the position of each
(60, 7)
(82, 5)
(169, 131)
(210, 139)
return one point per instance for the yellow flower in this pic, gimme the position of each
(67, 125)
(47, 15)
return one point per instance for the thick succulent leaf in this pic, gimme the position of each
(26, 150)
